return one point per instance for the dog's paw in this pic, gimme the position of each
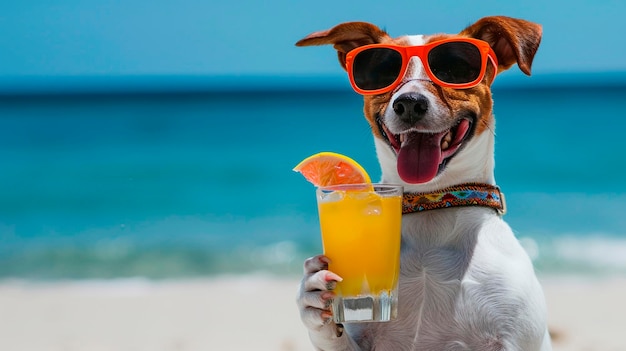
(316, 292)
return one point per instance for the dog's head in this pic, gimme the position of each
(429, 134)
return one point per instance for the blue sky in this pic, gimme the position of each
(245, 37)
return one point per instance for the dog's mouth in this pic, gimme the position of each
(421, 156)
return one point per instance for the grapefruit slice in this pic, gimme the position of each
(329, 168)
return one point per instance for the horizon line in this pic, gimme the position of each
(215, 84)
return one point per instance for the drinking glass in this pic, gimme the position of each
(360, 226)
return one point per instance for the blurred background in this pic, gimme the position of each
(156, 138)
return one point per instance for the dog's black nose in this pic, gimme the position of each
(411, 107)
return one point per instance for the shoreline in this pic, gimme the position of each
(242, 312)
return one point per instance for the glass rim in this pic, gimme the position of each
(360, 186)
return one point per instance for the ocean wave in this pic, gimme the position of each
(123, 257)
(174, 247)
(582, 254)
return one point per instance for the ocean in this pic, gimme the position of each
(176, 183)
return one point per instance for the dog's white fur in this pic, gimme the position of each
(465, 281)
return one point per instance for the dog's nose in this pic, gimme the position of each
(410, 107)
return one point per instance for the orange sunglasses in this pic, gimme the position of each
(458, 63)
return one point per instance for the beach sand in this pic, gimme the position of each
(251, 312)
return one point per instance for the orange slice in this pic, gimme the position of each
(329, 168)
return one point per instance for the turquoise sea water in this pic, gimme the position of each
(179, 183)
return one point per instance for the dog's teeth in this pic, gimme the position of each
(402, 138)
(445, 142)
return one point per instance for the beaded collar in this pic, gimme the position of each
(468, 194)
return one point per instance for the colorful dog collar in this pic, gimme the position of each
(468, 194)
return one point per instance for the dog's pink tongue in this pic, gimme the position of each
(419, 157)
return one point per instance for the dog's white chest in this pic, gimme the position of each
(459, 296)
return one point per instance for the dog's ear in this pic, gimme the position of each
(513, 40)
(345, 37)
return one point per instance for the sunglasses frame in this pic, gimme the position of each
(421, 51)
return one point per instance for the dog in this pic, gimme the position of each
(465, 281)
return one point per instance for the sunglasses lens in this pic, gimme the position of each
(376, 68)
(455, 62)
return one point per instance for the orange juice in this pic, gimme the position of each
(361, 236)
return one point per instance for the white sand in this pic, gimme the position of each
(253, 312)
(587, 315)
